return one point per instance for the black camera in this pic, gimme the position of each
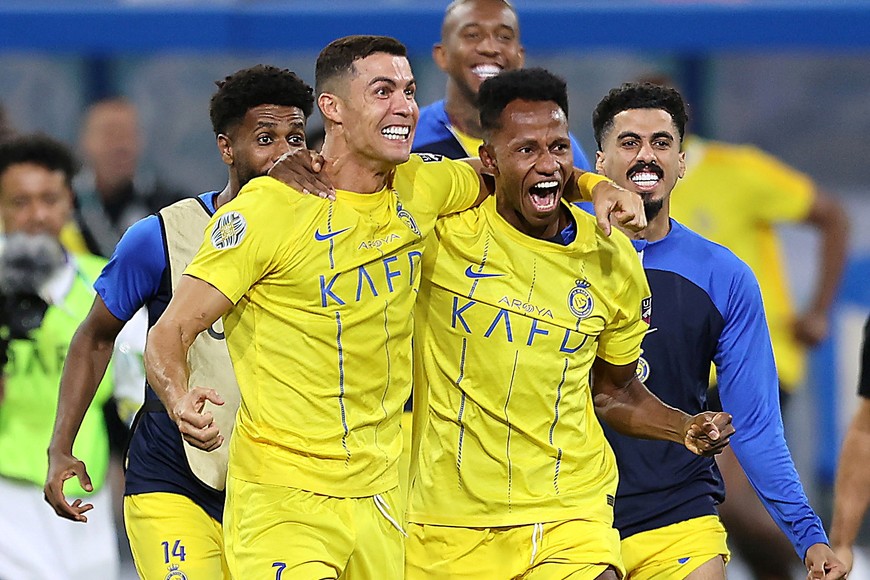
(27, 264)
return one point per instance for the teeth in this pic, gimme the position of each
(396, 132)
(546, 184)
(486, 71)
(645, 178)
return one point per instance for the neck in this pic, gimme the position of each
(229, 192)
(462, 110)
(351, 171)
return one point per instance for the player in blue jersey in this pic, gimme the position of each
(707, 310)
(174, 494)
(479, 39)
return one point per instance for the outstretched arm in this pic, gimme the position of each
(301, 170)
(194, 307)
(612, 203)
(631, 409)
(86, 362)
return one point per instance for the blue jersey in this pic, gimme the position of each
(137, 275)
(433, 135)
(707, 310)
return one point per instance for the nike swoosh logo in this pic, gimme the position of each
(328, 235)
(476, 275)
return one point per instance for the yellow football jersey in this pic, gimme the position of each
(508, 327)
(736, 196)
(320, 334)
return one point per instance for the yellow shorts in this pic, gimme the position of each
(282, 533)
(170, 533)
(674, 551)
(575, 549)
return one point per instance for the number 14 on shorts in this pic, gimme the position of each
(177, 551)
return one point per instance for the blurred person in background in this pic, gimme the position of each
(479, 39)
(174, 493)
(852, 488)
(737, 195)
(112, 193)
(46, 292)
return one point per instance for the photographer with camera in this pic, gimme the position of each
(45, 293)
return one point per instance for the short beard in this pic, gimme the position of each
(652, 208)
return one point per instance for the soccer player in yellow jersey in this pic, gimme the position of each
(317, 298)
(521, 298)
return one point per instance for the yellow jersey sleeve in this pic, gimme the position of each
(619, 342)
(244, 241)
(449, 186)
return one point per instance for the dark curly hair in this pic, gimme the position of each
(530, 84)
(255, 86)
(39, 149)
(337, 58)
(639, 96)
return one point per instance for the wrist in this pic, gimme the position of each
(59, 449)
(685, 421)
(588, 181)
(171, 399)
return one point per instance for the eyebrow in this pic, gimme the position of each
(499, 26)
(390, 81)
(656, 135)
(270, 124)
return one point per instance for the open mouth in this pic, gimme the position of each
(544, 195)
(485, 71)
(396, 132)
(645, 180)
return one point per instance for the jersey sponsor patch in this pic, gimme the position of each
(430, 157)
(646, 309)
(228, 231)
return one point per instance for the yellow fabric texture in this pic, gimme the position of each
(169, 533)
(736, 196)
(320, 334)
(508, 327)
(292, 534)
(674, 551)
(576, 549)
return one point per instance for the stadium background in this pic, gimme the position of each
(791, 76)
